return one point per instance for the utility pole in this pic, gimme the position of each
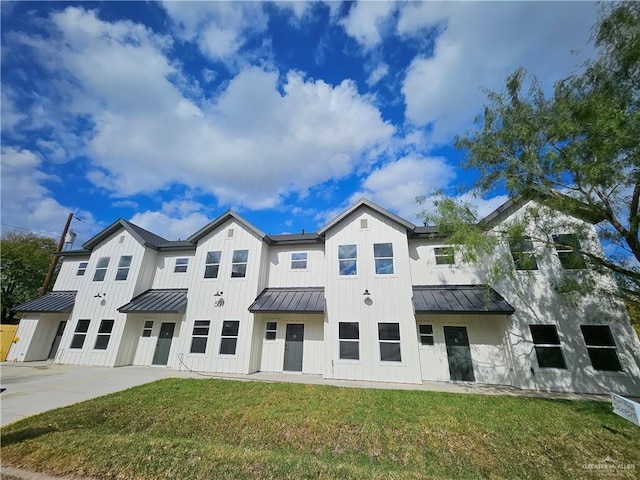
(54, 258)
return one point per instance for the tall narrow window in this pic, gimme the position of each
(229, 336)
(567, 245)
(200, 336)
(80, 334)
(271, 331)
(104, 334)
(383, 256)
(426, 334)
(601, 347)
(523, 255)
(82, 268)
(181, 266)
(123, 267)
(239, 263)
(349, 334)
(148, 327)
(348, 259)
(389, 337)
(101, 269)
(547, 346)
(299, 261)
(212, 264)
(444, 255)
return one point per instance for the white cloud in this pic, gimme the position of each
(480, 46)
(378, 74)
(168, 225)
(366, 22)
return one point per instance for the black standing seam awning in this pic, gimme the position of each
(158, 301)
(289, 300)
(53, 302)
(477, 299)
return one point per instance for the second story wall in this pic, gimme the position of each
(296, 266)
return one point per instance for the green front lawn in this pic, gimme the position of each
(195, 429)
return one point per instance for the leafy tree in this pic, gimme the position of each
(24, 261)
(577, 152)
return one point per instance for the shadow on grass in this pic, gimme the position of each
(25, 434)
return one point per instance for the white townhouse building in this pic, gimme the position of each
(370, 296)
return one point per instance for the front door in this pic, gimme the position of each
(293, 347)
(57, 338)
(459, 354)
(161, 356)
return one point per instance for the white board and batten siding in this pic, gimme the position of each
(35, 335)
(68, 278)
(165, 274)
(281, 273)
(145, 347)
(389, 300)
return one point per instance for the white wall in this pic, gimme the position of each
(35, 334)
(282, 275)
(164, 275)
(68, 278)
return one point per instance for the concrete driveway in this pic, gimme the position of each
(36, 387)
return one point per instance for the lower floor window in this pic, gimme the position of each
(80, 334)
(426, 334)
(271, 331)
(601, 347)
(148, 327)
(349, 334)
(104, 334)
(200, 336)
(389, 337)
(547, 346)
(229, 335)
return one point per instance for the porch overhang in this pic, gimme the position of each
(53, 302)
(289, 300)
(158, 301)
(466, 299)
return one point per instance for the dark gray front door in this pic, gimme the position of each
(459, 354)
(293, 347)
(161, 356)
(57, 338)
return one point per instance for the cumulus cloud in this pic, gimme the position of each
(177, 219)
(366, 22)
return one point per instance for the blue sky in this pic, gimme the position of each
(168, 114)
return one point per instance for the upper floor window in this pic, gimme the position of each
(299, 261)
(239, 263)
(181, 265)
(101, 269)
(348, 259)
(212, 264)
(567, 246)
(383, 256)
(547, 346)
(523, 255)
(601, 347)
(444, 255)
(82, 268)
(123, 267)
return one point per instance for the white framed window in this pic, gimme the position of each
(547, 346)
(383, 257)
(82, 268)
(426, 334)
(601, 347)
(239, 263)
(567, 245)
(523, 254)
(389, 338)
(271, 331)
(200, 336)
(181, 266)
(299, 261)
(101, 269)
(123, 267)
(229, 337)
(212, 264)
(444, 255)
(348, 259)
(148, 327)
(80, 334)
(104, 334)
(349, 336)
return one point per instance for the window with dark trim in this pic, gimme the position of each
(212, 264)
(123, 267)
(104, 334)
(181, 266)
(348, 259)
(299, 261)
(271, 331)
(547, 346)
(389, 338)
(148, 327)
(567, 247)
(383, 257)
(601, 347)
(349, 335)
(239, 263)
(82, 268)
(200, 336)
(444, 255)
(229, 337)
(426, 334)
(523, 255)
(80, 334)
(101, 269)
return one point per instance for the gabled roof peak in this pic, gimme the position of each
(229, 214)
(144, 237)
(363, 202)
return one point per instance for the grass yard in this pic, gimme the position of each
(197, 429)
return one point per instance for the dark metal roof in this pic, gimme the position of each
(459, 299)
(145, 237)
(287, 300)
(295, 238)
(52, 302)
(158, 301)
